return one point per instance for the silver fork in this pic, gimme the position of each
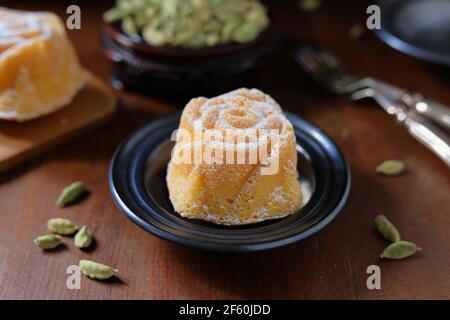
(327, 69)
(409, 109)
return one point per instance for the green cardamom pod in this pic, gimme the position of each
(391, 167)
(48, 241)
(83, 238)
(71, 193)
(309, 5)
(387, 229)
(400, 250)
(129, 26)
(114, 14)
(356, 31)
(97, 270)
(61, 226)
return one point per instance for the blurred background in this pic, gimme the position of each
(333, 25)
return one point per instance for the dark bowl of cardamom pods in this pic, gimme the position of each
(186, 47)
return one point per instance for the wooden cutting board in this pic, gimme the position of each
(93, 105)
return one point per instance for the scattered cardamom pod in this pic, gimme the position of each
(61, 226)
(391, 167)
(400, 250)
(97, 270)
(356, 31)
(71, 194)
(48, 241)
(309, 5)
(387, 229)
(83, 238)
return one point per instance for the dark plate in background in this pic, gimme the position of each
(137, 182)
(420, 28)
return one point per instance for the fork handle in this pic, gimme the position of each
(420, 128)
(431, 109)
(429, 135)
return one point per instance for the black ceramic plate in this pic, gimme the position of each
(420, 28)
(137, 182)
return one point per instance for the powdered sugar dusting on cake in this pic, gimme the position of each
(237, 194)
(18, 28)
(241, 108)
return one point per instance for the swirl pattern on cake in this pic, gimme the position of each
(229, 192)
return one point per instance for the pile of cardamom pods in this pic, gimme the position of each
(83, 237)
(190, 23)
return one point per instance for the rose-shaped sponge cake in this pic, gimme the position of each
(39, 69)
(228, 192)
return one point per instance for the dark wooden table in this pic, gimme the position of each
(331, 264)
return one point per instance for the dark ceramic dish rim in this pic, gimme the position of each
(114, 31)
(393, 40)
(236, 248)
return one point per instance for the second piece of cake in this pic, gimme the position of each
(219, 172)
(39, 69)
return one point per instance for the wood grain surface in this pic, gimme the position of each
(331, 264)
(93, 105)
